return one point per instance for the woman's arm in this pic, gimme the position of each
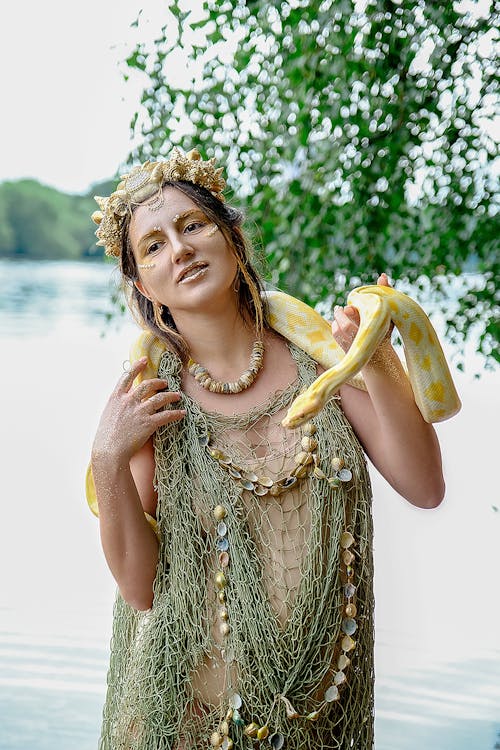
(402, 446)
(123, 467)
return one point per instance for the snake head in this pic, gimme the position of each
(305, 407)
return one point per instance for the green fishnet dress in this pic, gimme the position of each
(171, 671)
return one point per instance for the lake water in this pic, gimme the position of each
(437, 572)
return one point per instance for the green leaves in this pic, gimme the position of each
(353, 138)
(137, 59)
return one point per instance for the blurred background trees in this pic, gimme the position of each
(40, 222)
(359, 136)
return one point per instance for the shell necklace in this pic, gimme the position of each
(245, 380)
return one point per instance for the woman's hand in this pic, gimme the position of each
(346, 321)
(132, 415)
(403, 447)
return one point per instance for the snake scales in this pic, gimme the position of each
(430, 378)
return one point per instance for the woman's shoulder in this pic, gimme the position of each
(150, 346)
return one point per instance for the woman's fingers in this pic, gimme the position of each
(345, 325)
(383, 280)
(160, 400)
(161, 418)
(346, 320)
(149, 387)
(132, 414)
(152, 396)
(126, 380)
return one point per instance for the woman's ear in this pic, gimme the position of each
(142, 289)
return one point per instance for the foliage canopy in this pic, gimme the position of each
(357, 134)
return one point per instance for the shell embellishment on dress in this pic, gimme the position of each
(306, 460)
(306, 465)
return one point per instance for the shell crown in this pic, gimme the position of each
(144, 183)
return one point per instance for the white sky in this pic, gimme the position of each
(65, 108)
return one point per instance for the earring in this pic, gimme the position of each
(237, 282)
(158, 312)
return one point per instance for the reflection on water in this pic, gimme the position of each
(36, 295)
(51, 696)
(452, 707)
(438, 642)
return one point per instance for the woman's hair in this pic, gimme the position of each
(251, 303)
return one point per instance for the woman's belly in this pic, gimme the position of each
(281, 543)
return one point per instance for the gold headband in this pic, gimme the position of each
(145, 182)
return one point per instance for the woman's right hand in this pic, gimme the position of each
(132, 415)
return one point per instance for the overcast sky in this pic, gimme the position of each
(65, 108)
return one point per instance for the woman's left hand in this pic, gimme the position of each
(403, 447)
(346, 320)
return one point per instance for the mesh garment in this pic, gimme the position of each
(171, 671)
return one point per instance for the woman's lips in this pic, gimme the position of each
(192, 273)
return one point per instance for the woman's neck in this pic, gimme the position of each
(222, 342)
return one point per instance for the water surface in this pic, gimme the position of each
(437, 572)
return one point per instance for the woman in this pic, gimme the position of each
(241, 550)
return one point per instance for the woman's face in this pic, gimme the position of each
(188, 264)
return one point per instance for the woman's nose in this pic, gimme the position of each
(181, 248)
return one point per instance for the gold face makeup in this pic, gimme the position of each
(186, 214)
(145, 185)
(211, 229)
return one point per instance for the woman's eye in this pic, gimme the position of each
(193, 226)
(153, 247)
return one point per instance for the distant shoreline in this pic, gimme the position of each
(38, 222)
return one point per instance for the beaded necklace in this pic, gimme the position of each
(245, 380)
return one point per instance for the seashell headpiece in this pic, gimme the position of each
(144, 183)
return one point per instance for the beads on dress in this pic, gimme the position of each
(221, 738)
(306, 464)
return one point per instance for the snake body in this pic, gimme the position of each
(428, 372)
(430, 378)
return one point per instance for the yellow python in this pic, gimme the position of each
(378, 306)
(430, 378)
